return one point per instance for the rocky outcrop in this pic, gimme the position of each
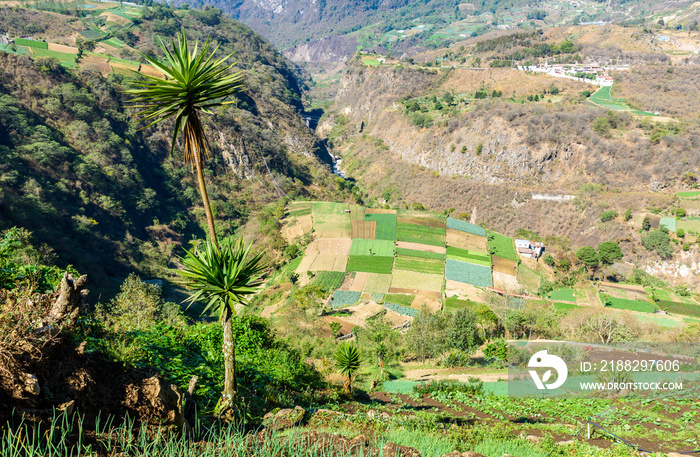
(331, 49)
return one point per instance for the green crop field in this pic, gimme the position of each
(462, 226)
(31, 43)
(60, 56)
(688, 226)
(692, 193)
(370, 264)
(468, 273)
(404, 279)
(420, 254)
(380, 248)
(399, 299)
(562, 295)
(632, 305)
(113, 41)
(370, 61)
(464, 255)
(378, 283)
(421, 215)
(414, 233)
(434, 266)
(329, 208)
(501, 246)
(91, 34)
(685, 309)
(344, 298)
(566, 306)
(329, 280)
(421, 228)
(386, 225)
(662, 321)
(23, 50)
(299, 212)
(454, 303)
(669, 222)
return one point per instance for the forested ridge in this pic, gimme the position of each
(109, 198)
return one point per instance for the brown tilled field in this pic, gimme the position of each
(62, 48)
(467, 241)
(358, 284)
(364, 229)
(379, 211)
(334, 246)
(505, 282)
(461, 290)
(329, 262)
(420, 247)
(504, 266)
(421, 300)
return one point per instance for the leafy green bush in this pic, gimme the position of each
(609, 215)
(659, 241)
(269, 372)
(138, 305)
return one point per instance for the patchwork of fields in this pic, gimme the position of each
(400, 262)
(388, 254)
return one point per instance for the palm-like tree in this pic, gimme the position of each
(222, 277)
(194, 83)
(347, 359)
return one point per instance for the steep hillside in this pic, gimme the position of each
(109, 198)
(485, 140)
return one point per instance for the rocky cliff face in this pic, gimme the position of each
(331, 49)
(504, 139)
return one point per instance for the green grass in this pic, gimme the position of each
(632, 305)
(529, 278)
(669, 222)
(562, 295)
(386, 225)
(692, 193)
(370, 264)
(299, 212)
(661, 321)
(566, 306)
(115, 42)
(501, 246)
(399, 299)
(465, 255)
(60, 56)
(370, 61)
(454, 303)
(494, 448)
(90, 34)
(429, 444)
(329, 280)
(379, 248)
(420, 254)
(434, 266)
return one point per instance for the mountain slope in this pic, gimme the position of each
(108, 197)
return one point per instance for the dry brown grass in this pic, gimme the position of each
(504, 266)
(468, 241)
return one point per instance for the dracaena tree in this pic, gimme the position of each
(195, 81)
(222, 277)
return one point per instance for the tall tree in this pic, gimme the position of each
(588, 257)
(608, 253)
(194, 83)
(223, 277)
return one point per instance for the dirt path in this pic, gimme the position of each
(428, 374)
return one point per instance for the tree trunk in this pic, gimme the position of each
(205, 199)
(229, 349)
